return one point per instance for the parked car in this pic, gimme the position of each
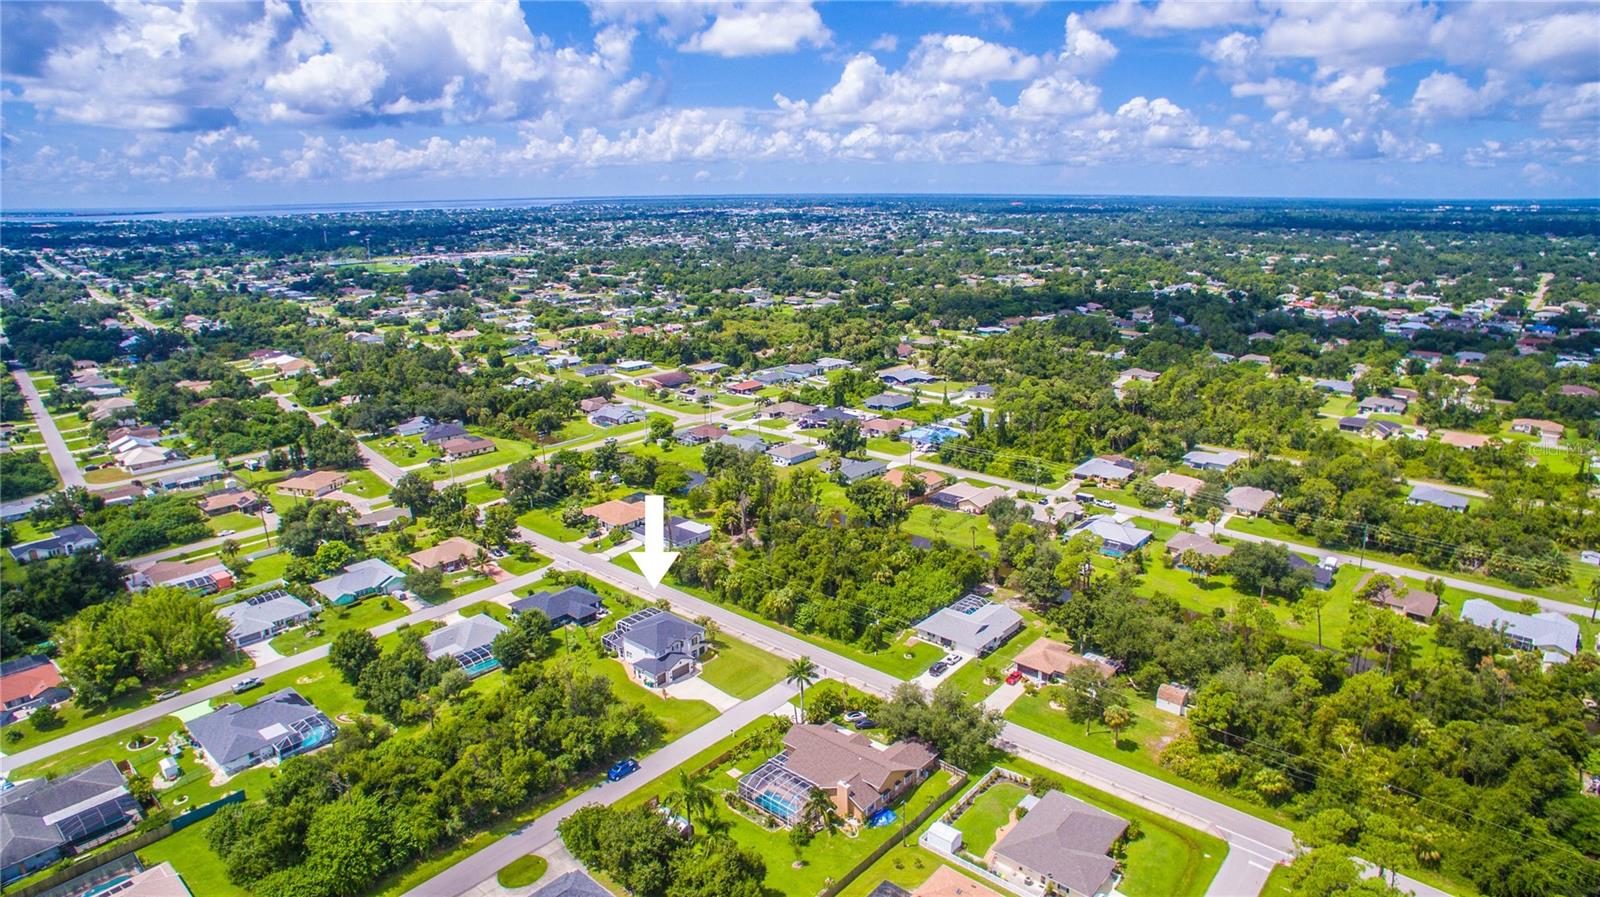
(953, 659)
(854, 716)
(226, 532)
(244, 685)
(1013, 677)
(1105, 503)
(622, 769)
(864, 723)
(938, 668)
(168, 695)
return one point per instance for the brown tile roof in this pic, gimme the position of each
(616, 512)
(1054, 658)
(828, 757)
(29, 682)
(449, 551)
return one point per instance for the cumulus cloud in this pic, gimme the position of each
(758, 29)
(1444, 95)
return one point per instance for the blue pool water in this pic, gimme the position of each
(881, 819)
(483, 666)
(775, 805)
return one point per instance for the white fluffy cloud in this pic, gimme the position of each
(759, 29)
(1443, 95)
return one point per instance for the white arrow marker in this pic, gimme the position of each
(654, 560)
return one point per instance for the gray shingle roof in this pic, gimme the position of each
(572, 884)
(1066, 839)
(231, 732)
(573, 602)
(41, 814)
(357, 577)
(261, 612)
(477, 631)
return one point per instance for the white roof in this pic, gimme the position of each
(1110, 530)
(1100, 468)
(1546, 630)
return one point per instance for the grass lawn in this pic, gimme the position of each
(366, 484)
(517, 566)
(889, 446)
(742, 669)
(507, 451)
(979, 823)
(243, 525)
(364, 614)
(522, 872)
(970, 676)
(679, 716)
(547, 522)
(955, 527)
(494, 609)
(103, 475)
(202, 870)
(482, 492)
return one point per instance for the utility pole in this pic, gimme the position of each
(1363, 562)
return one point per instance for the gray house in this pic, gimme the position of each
(64, 541)
(1064, 842)
(263, 616)
(971, 625)
(1422, 494)
(854, 471)
(468, 641)
(889, 401)
(45, 820)
(743, 443)
(280, 725)
(373, 576)
(659, 648)
(573, 604)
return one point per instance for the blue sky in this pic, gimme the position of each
(217, 104)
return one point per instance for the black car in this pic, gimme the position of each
(938, 668)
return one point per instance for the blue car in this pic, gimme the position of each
(622, 769)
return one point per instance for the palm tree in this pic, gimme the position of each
(693, 797)
(801, 673)
(819, 812)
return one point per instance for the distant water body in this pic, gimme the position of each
(263, 211)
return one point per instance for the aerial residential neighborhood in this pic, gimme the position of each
(800, 449)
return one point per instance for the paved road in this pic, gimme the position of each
(539, 834)
(387, 470)
(66, 463)
(155, 711)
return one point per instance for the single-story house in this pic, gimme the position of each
(468, 641)
(1173, 698)
(50, 818)
(791, 411)
(416, 426)
(576, 883)
(708, 367)
(440, 432)
(1198, 544)
(228, 501)
(900, 476)
(1201, 459)
(701, 434)
(657, 647)
(1047, 660)
(145, 457)
(192, 478)
(889, 401)
(860, 776)
(905, 376)
(679, 532)
(1117, 538)
(278, 726)
(615, 415)
(745, 387)
(593, 404)
(926, 437)
(827, 364)
(383, 518)
(825, 417)
(1366, 426)
(313, 483)
(1321, 574)
(466, 446)
(450, 555)
(1537, 427)
(1176, 482)
(373, 576)
(30, 681)
(1248, 500)
(791, 453)
(666, 380)
(263, 616)
(64, 541)
(1062, 843)
(616, 512)
(1423, 494)
(854, 471)
(972, 625)
(1104, 470)
(1555, 635)
(573, 604)
(967, 497)
(205, 576)
(1381, 405)
(944, 882)
(743, 443)
(884, 426)
(1412, 603)
(1337, 387)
